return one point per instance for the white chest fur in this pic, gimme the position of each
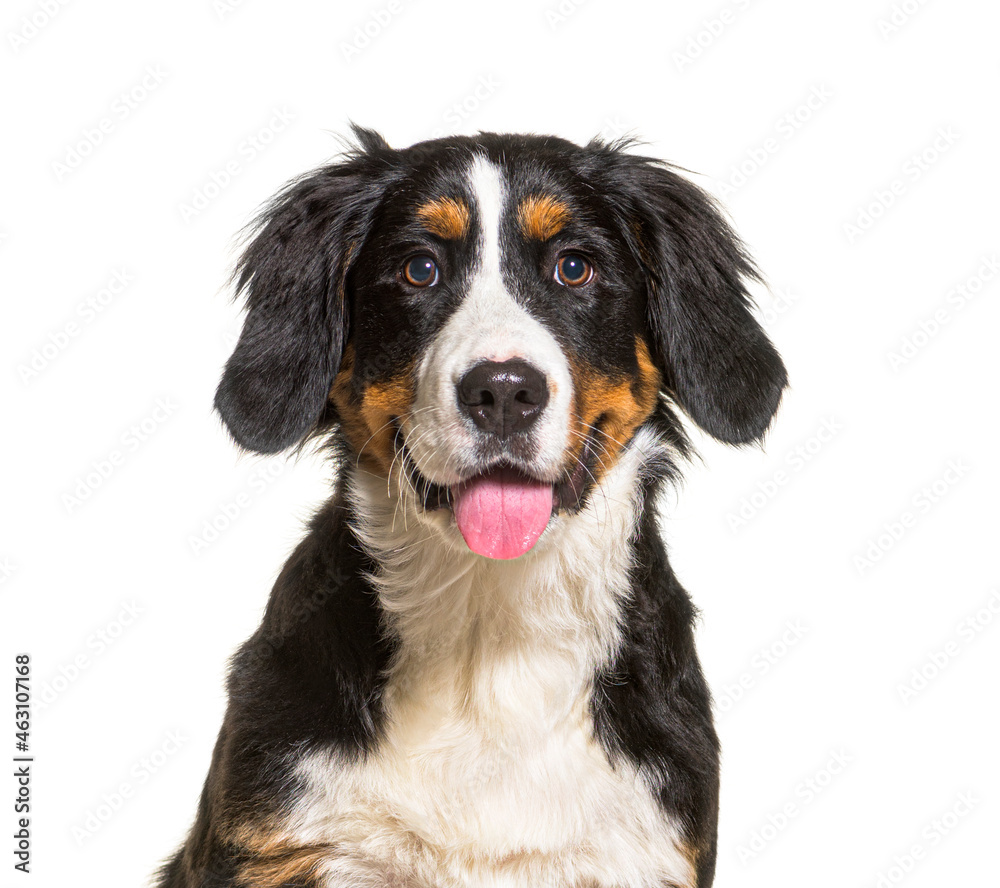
(489, 773)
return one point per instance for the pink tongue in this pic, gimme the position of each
(502, 514)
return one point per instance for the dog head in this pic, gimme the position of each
(487, 321)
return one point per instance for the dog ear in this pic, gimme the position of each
(293, 273)
(717, 362)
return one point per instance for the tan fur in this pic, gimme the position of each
(489, 772)
(367, 420)
(542, 216)
(615, 407)
(445, 217)
(279, 860)
(285, 864)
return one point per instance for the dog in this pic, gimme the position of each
(478, 668)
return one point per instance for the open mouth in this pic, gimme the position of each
(502, 511)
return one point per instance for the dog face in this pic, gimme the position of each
(488, 321)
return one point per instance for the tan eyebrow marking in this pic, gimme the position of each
(542, 216)
(445, 217)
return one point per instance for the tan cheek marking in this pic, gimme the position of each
(620, 405)
(366, 420)
(445, 217)
(542, 216)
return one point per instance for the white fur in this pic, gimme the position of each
(489, 773)
(489, 325)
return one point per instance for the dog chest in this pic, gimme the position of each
(499, 781)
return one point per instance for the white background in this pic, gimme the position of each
(819, 596)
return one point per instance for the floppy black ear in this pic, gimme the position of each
(293, 273)
(717, 361)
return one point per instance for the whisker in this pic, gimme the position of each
(390, 422)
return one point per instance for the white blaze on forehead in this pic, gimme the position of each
(489, 325)
(487, 186)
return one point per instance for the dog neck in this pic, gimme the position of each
(558, 604)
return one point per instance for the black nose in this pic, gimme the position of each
(503, 398)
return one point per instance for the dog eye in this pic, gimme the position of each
(421, 271)
(573, 270)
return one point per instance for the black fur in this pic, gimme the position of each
(652, 705)
(311, 675)
(718, 363)
(321, 269)
(275, 385)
